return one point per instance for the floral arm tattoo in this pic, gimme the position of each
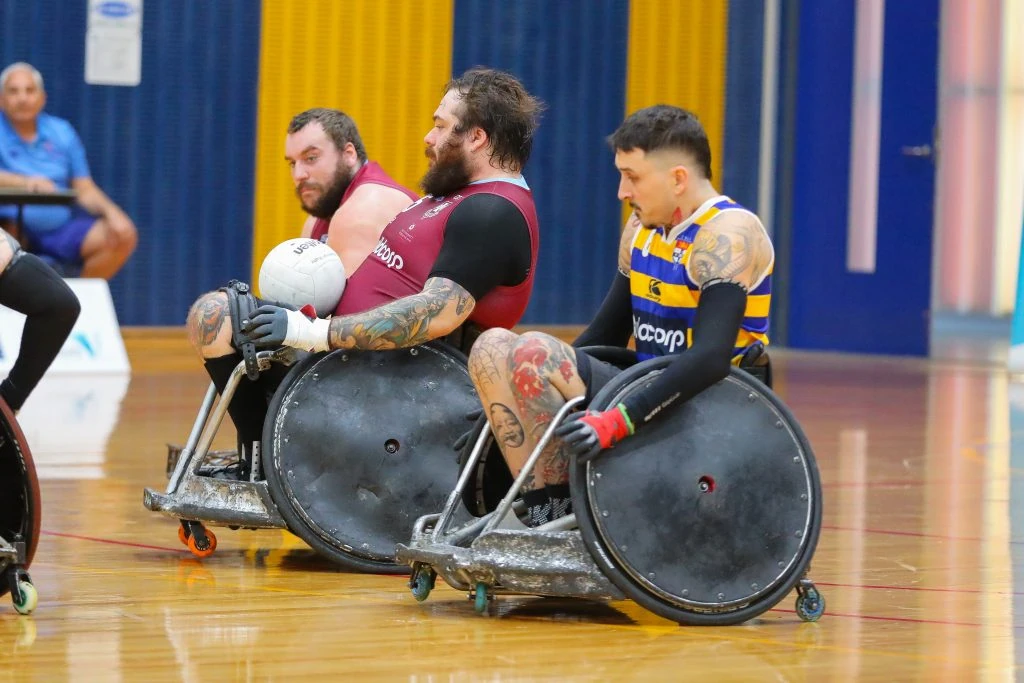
(440, 308)
(731, 248)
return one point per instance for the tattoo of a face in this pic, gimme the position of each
(506, 426)
(401, 323)
(206, 319)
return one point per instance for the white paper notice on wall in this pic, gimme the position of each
(113, 43)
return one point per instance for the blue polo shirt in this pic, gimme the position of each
(56, 153)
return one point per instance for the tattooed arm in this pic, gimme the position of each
(731, 256)
(439, 309)
(733, 247)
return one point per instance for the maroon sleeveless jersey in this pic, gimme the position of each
(410, 243)
(370, 173)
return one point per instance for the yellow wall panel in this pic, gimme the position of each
(676, 55)
(382, 62)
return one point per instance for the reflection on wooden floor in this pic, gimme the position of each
(920, 462)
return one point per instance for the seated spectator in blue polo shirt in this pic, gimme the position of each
(43, 153)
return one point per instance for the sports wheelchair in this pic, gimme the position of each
(709, 516)
(20, 513)
(356, 446)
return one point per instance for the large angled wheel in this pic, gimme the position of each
(20, 507)
(711, 514)
(358, 445)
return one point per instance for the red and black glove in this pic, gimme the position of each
(587, 434)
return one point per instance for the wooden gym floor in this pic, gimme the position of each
(917, 560)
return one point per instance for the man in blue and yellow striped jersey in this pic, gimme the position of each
(694, 281)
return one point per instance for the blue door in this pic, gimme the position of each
(883, 307)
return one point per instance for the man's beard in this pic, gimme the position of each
(330, 198)
(450, 171)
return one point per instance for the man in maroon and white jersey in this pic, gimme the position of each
(349, 199)
(465, 253)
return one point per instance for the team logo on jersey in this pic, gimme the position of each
(669, 340)
(387, 255)
(436, 210)
(406, 232)
(677, 254)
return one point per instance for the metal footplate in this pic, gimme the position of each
(218, 502)
(191, 495)
(530, 562)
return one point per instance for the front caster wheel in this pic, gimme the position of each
(201, 542)
(810, 604)
(25, 598)
(480, 598)
(422, 582)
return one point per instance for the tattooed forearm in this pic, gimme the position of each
(441, 307)
(206, 318)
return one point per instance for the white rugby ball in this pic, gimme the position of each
(303, 271)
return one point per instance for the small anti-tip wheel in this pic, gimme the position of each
(480, 599)
(810, 605)
(25, 598)
(200, 546)
(422, 582)
(182, 534)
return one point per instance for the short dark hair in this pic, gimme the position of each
(497, 102)
(664, 127)
(338, 125)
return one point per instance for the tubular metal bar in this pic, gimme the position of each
(206, 425)
(566, 523)
(453, 498)
(506, 502)
(213, 424)
(186, 453)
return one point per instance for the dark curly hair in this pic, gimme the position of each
(497, 102)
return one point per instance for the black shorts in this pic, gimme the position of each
(594, 372)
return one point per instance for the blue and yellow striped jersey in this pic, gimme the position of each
(665, 299)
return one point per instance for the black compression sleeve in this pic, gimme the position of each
(486, 245)
(715, 326)
(31, 287)
(613, 324)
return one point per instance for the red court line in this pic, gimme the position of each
(924, 589)
(916, 534)
(112, 541)
(938, 622)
